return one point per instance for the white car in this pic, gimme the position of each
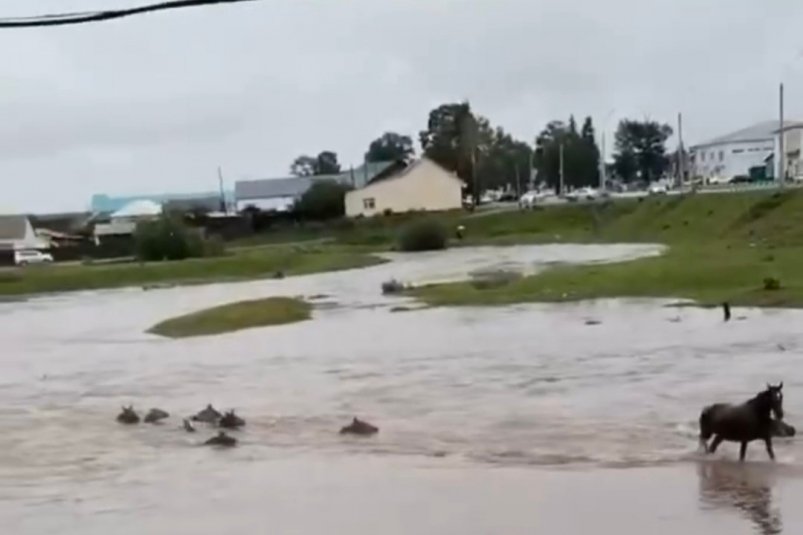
(582, 193)
(657, 189)
(529, 199)
(23, 258)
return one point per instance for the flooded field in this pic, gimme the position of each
(506, 401)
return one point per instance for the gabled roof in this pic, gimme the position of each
(12, 227)
(368, 172)
(408, 169)
(762, 131)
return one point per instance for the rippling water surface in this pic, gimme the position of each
(516, 386)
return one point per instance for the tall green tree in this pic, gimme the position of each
(641, 150)
(390, 146)
(503, 161)
(324, 164)
(590, 154)
(580, 154)
(451, 139)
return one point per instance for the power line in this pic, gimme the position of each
(98, 16)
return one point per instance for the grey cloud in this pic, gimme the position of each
(155, 103)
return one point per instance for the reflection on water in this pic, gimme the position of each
(745, 487)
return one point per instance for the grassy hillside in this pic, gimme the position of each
(723, 247)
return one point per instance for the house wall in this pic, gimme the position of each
(29, 240)
(793, 147)
(731, 159)
(426, 186)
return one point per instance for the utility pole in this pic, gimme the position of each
(474, 177)
(781, 151)
(681, 153)
(603, 180)
(518, 182)
(560, 187)
(223, 207)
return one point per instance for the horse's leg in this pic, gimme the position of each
(715, 444)
(743, 451)
(770, 451)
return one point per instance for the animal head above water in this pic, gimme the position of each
(771, 399)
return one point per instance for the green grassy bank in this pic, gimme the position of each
(235, 317)
(722, 247)
(244, 264)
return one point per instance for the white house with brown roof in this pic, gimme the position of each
(423, 185)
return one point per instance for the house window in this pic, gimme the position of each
(702, 156)
(721, 155)
(738, 151)
(369, 203)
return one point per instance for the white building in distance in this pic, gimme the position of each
(735, 154)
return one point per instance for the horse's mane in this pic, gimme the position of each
(762, 401)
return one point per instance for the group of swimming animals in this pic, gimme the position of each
(759, 418)
(228, 420)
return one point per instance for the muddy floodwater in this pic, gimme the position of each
(518, 419)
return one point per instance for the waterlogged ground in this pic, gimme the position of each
(495, 420)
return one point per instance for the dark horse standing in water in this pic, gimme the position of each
(752, 420)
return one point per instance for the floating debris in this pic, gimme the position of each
(392, 287)
(188, 426)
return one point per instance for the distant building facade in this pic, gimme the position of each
(106, 204)
(17, 234)
(423, 185)
(280, 194)
(737, 153)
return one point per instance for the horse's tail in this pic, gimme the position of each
(706, 430)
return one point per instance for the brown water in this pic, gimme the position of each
(477, 410)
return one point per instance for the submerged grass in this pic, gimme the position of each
(235, 317)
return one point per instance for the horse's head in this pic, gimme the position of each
(773, 397)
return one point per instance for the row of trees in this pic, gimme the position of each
(488, 157)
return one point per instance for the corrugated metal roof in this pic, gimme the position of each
(763, 131)
(271, 187)
(296, 186)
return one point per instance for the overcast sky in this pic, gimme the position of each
(155, 103)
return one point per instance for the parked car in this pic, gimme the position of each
(23, 258)
(508, 196)
(531, 198)
(586, 193)
(657, 189)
